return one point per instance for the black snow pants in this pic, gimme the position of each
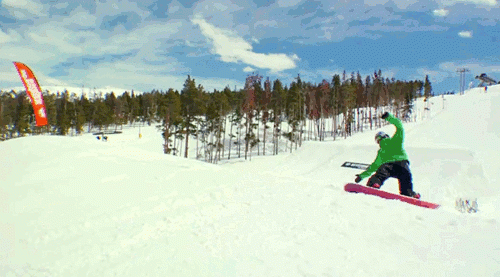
(399, 170)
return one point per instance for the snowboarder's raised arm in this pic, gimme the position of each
(400, 133)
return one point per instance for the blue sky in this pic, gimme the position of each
(149, 44)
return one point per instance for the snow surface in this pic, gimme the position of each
(76, 206)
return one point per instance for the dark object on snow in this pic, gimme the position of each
(102, 133)
(104, 138)
(385, 115)
(355, 165)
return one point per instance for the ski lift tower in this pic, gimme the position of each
(462, 79)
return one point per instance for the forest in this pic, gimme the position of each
(245, 119)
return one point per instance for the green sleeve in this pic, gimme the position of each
(399, 135)
(372, 168)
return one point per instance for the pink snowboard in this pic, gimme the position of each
(388, 195)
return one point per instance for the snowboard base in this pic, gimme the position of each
(356, 188)
(355, 165)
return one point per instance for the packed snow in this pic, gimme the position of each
(78, 206)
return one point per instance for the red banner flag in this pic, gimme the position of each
(34, 92)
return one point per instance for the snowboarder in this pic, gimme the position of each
(391, 161)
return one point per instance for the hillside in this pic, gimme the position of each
(76, 206)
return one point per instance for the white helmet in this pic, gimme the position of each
(380, 136)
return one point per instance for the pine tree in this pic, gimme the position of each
(427, 87)
(264, 103)
(236, 119)
(79, 119)
(349, 96)
(375, 98)
(336, 101)
(63, 121)
(367, 97)
(112, 108)
(409, 94)
(293, 113)
(22, 114)
(277, 106)
(7, 114)
(3, 122)
(224, 108)
(101, 113)
(135, 108)
(321, 104)
(228, 95)
(192, 105)
(169, 109)
(214, 117)
(249, 109)
(427, 92)
(51, 111)
(147, 107)
(232, 121)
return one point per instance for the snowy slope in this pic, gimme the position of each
(75, 206)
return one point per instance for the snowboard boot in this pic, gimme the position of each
(375, 186)
(412, 194)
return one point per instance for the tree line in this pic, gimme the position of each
(241, 120)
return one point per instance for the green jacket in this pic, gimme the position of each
(391, 149)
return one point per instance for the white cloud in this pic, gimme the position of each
(478, 2)
(446, 70)
(26, 54)
(402, 4)
(266, 23)
(80, 17)
(435, 76)
(61, 6)
(295, 57)
(117, 7)
(30, 6)
(288, 3)
(441, 12)
(132, 75)
(51, 42)
(248, 69)
(220, 7)
(221, 13)
(11, 36)
(18, 14)
(232, 48)
(57, 37)
(476, 67)
(9, 74)
(140, 37)
(465, 34)
(173, 9)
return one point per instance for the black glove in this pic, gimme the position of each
(358, 179)
(385, 115)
